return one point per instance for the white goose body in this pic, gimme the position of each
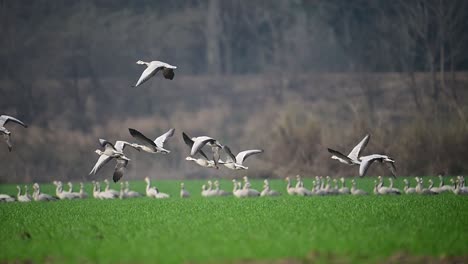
(153, 68)
(183, 193)
(6, 198)
(38, 196)
(22, 198)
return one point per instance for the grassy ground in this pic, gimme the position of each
(226, 229)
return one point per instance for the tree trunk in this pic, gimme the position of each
(213, 32)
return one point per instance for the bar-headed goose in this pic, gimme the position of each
(150, 146)
(22, 198)
(203, 161)
(236, 162)
(408, 189)
(343, 189)
(110, 152)
(183, 193)
(267, 191)
(5, 119)
(366, 161)
(355, 191)
(38, 196)
(129, 193)
(353, 156)
(154, 67)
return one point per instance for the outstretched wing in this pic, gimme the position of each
(4, 119)
(162, 139)
(106, 144)
(189, 142)
(365, 164)
(119, 169)
(103, 159)
(230, 156)
(245, 154)
(199, 143)
(340, 155)
(354, 154)
(140, 137)
(120, 145)
(149, 72)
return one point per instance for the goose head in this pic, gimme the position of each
(147, 180)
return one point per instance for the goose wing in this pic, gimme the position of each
(245, 154)
(199, 143)
(119, 169)
(106, 144)
(168, 73)
(103, 159)
(189, 142)
(340, 155)
(120, 145)
(149, 72)
(140, 137)
(163, 138)
(4, 119)
(354, 154)
(365, 164)
(230, 156)
(8, 142)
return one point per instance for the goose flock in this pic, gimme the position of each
(241, 189)
(197, 154)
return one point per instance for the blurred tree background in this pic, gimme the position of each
(291, 77)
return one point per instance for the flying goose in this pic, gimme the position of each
(236, 162)
(366, 161)
(38, 196)
(150, 146)
(202, 161)
(353, 156)
(111, 151)
(197, 143)
(183, 193)
(153, 68)
(4, 119)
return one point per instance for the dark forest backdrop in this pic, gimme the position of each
(292, 77)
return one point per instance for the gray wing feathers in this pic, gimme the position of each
(8, 142)
(103, 159)
(119, 169)
(162, 139)
(354, 154)
(142, 138)
(199, 143)
(230, 156)
(245, 154)
(365, 164)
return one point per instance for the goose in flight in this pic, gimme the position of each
(153, 68)
(196, 144)
(366, 161)
(111, 151)
(236, 162)
(150, 146)
(353, 156)
(4, 119)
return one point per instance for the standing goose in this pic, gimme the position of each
(109, 190)
(61, 194)
(457, 187)
(219, 191)
(366, 161)
(38, 196)
(300, 189)
(129, 193)
(236, 162)
(22, 198)
(391, 186)
(238, 191)
(291, 190)
(70, 190)
(150, 146)
(407, 188)
(353, 156)
(442, 186)
(385, 190)
(6, 198)
(343, 189)
(355, 191)
(83, 194)
(420, 188)
(101, 195)
(267, 191)
(110, 152)
(4, 119)
(183, 193)
(153, 191)
(153, 68)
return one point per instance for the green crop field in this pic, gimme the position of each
(226, 229)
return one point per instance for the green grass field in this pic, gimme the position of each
(227, 229)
